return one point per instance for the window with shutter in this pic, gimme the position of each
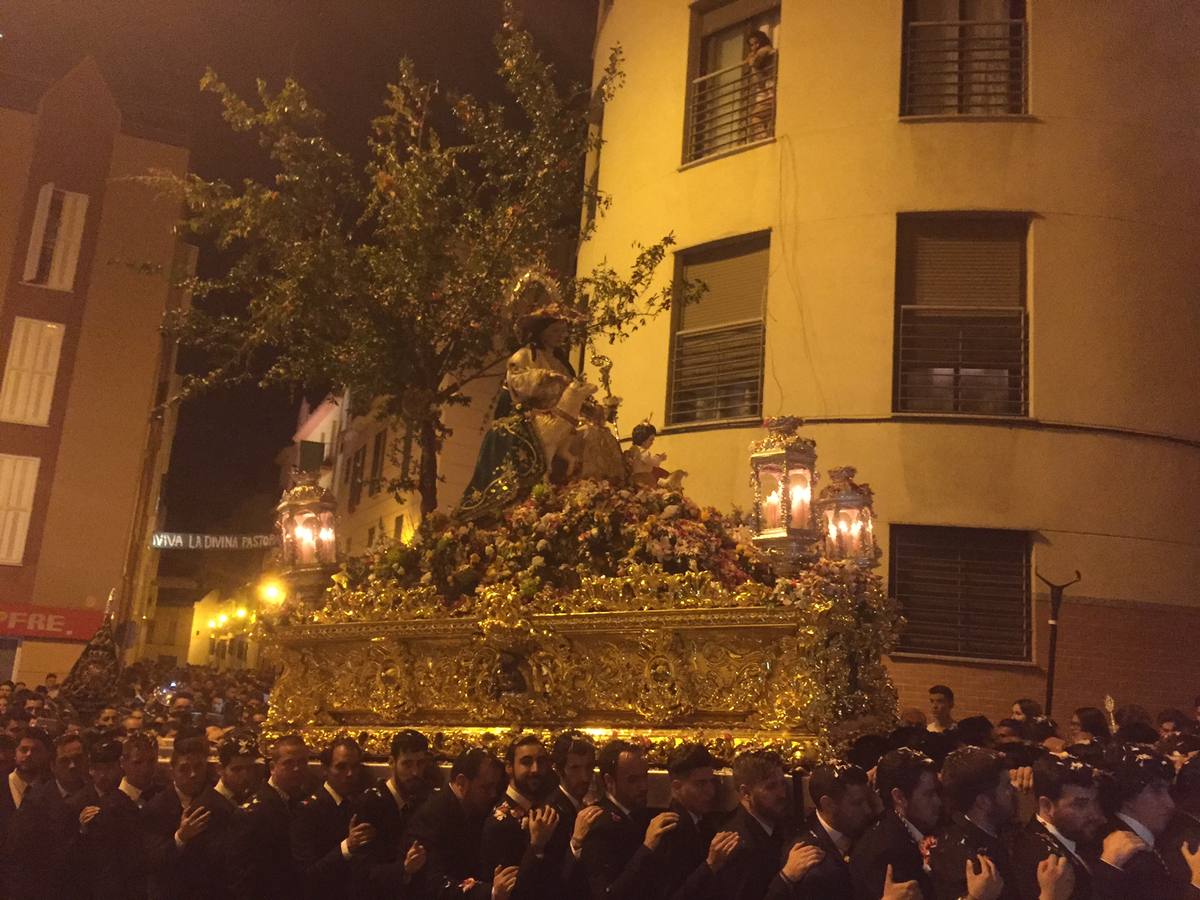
(55, 239)
(963, 591)
(18, 481)
(965, 57)
(27, 391)
(961, 327)
(717, 346)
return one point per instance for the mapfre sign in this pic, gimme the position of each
(24, 620)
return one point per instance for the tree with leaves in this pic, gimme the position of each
(394, 280)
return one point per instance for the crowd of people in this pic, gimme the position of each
(148, 697)
(937, 809)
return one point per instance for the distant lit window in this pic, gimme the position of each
(55, 238)
(965, 57)
(18, 482)
(961, 326)
(378, 456)
(717, 345)
(27, 390)
(732, 86)
(357, 464)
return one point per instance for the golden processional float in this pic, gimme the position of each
(577, 586)
(599, 606)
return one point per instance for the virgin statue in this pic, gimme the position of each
(545, 426)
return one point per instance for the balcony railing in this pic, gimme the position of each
(962, 360)
(729, 108)
(966, 68)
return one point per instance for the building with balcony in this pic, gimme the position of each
(87, 259)
(959, 240)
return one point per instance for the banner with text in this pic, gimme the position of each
(181, 540)
(25, 620)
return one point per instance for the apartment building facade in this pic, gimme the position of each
(87, 257)
(959, 240)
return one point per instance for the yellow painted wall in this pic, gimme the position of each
(112, 386)
(1106, 164)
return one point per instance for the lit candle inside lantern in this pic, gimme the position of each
(801, 497)
(771, 504)
(326, 534)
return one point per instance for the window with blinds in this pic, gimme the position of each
(962, 339)
(965, 57)
(716, 364)
(963, 591)
(27, 390)
(18, 480)
(55, 239)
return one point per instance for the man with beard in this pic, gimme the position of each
(894, 849)
(521, 825)
(388, 806)
(971, 858)
(574, 758)
(448, 826)
(1068, 821)
(31, 761)
(1142, 779)
(619, 852)
(269, 814)
(761, 823)
(41, 839)
(693, 852)
(844, 809)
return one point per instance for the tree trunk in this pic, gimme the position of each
(427, 478)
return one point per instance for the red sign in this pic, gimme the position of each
(63, 623)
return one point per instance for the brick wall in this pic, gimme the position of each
(1139, 653)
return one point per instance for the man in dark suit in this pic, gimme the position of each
(761, 822)
(574, 758)
(520, 827)
(191, 833)
(1142, 778)
(105, 776)
(117, 862)
(971, 856)
(1068, 821)
(41, 838)
(389, 805)
(448, 827)
(269, 813)
(618, 854)
(31, 763)
(1184, 830)
(844, 809)
(693, 852)
(325, 830)
(895, 844)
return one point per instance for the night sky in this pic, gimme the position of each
(223, 475)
